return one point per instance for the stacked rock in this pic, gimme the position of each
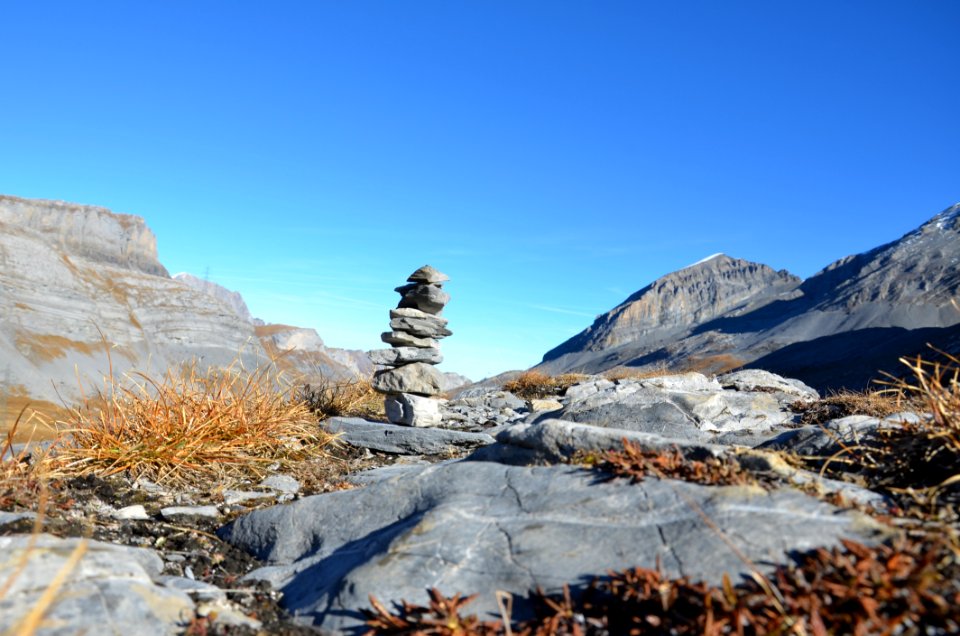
(412, 384)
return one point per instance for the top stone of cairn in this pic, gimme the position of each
(429, 275)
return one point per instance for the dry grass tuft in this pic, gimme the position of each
(347, 398)
(636, 463)
(188, 427)
(22, 475)
(626, 373)
(915, 464)
(878, 404)
(536, 385)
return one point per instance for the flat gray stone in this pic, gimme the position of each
(823, 440)
(558, 440)
(403, 339)
(403, 440)
(467, 527)
(281, 483)
(420, 327)
(110, 591)
(172, 512)
(232, 497)
(134, 512)
(758, 380)
(402, 355)
(417, 378)
(13, 517)
(685, 407)
(427, 274)
(200, 590)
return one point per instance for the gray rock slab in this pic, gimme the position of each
(281, 483)
(823, 440)
(134, 512)
(418, 378)
(467, 527)
(231, 497)
(558, 440)
(420, 328)
(13, 517)
(757, 380)
(427, 274)
(200, 590)
(403, 355)
(110, 591)
(172, 512)
(404, 339)
(403, 440)
(686, 407)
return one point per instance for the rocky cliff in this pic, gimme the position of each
(835, 329)
(230, 298)
(688, 297)
(77, 282)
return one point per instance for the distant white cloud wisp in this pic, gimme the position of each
(561, 310)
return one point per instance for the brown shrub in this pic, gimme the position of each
(534, 385)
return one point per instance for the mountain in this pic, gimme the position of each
(835, 329)
(82, 291)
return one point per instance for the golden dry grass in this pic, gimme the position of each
(190, 426)
(878, 404)
(348, 398)
(643, 373)
(534, 385)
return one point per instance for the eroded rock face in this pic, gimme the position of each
(82, 291)
(230, 298)
(77, 281)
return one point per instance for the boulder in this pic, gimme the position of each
(111, 590)
(403, 440)
(476, 527)
(403, 355)
(413, 410)
(688, 406)
(417, 378)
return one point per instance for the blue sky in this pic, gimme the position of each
(551, 157)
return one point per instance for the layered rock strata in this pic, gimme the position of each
(410, 381)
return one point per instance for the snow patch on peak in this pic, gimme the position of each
(947, 216)
(705, 260)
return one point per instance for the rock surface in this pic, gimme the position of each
(112, 589)
(418, 378)
(477, 526)
(403, 440)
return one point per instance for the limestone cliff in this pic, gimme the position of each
(78, 282)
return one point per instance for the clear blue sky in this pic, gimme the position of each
(552, 157)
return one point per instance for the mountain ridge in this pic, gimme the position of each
(905, 284)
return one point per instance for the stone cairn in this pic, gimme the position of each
(412, 383)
